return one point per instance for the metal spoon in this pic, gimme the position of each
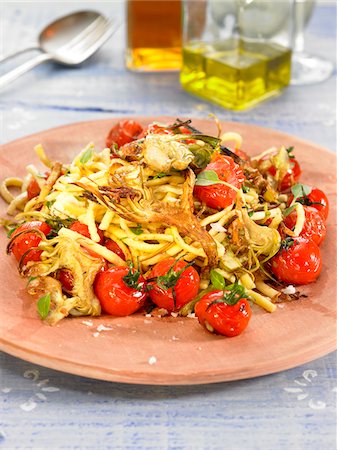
(69, 40)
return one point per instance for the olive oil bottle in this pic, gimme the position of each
(236, 53)
(235, 74)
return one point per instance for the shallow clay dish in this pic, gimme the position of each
(184, 352)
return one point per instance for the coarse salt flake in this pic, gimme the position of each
(96, 334)
(174, 314)
(289, 290)
(152, 360)
(88, 323)
(103, 328)
(191, 315)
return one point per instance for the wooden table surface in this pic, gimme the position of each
(43, 408)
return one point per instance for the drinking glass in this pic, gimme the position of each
(306, 68)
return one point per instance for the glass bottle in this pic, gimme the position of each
(236, 53)
(153, 35)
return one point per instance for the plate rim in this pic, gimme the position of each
(141, 377)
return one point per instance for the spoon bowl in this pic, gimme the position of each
(69, 40)
(73, 38)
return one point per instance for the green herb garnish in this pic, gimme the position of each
(298, 190)
(217, 280)
(207, 178)
(43, 306)
(86, 156)
(137, 230)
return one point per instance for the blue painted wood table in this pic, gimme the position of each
(43, 408)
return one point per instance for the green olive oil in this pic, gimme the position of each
(235, 74)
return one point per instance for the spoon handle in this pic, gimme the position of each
(23, 68)
(17, 53)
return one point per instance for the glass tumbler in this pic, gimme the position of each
(153, 35)
(236, 53)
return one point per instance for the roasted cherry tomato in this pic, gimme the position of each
(123, 132)
(171, 286)
(66, 279)
(317, 199)
(28, 241)
(219, 196)
(83, 229)
(291, 177)
(223, 318)
(120, 290)
(298, 261)
(114, 247)
(33, 188)
(314, 226)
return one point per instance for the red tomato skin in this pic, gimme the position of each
(66, 278)
(114, 247)
(299, 264)
(242, 154)
(219, 196)
(116, 298)
(319, 201)
(292, 176)
(228, 320)
(33, 189)
(186, 288)
(83, 229)
(314, 227)
(28, 241)
(124, 132)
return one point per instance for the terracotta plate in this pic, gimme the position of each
(184, 353)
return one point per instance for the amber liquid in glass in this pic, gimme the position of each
(154, 35)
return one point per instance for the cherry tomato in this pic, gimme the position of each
(242, 154)
(123, 132)
(222, 318)
(66, 279)
(317, 199)
(24, 242)
(154, 128)
(118, 296)
(291, 177)
(173, 286)
(219, 196)
(114, 247)
(83, 229)
(298, 263)
(33, 188)
(314, 226)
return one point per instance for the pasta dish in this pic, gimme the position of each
(165, 219)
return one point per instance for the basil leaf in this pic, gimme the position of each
(217, 280)
(207, 178)
(86, 156)
(211, 140)
(137, 231)
(43, 306)
(300, 190)
(289, 210)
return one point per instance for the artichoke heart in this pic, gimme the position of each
(264, 240)
(162, 153)
(63, 252)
